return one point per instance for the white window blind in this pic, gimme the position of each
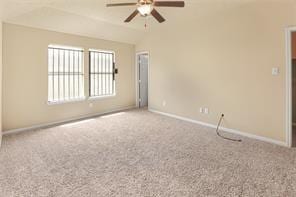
(65, 74)
(101, 74)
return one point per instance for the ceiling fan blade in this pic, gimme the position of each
(131, 16)
(169, 3)
(120, 4)
(157, 16)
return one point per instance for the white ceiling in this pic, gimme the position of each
(92, 18)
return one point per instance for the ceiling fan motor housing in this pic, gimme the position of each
(143, 2)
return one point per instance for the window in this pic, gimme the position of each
(65, 74)
(101, 74)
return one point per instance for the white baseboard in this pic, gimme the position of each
(233, 131)
(52, 124)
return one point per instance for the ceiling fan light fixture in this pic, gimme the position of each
(145, 9)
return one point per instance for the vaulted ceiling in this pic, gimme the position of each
(92, 18)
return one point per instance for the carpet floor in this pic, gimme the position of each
(139, 153)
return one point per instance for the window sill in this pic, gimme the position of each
(66, 102)
(101, 97)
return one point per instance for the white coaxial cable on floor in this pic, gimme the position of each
(226, 138)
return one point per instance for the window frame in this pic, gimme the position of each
(82, 71)
(99, 97)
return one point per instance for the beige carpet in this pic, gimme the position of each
(138, 153)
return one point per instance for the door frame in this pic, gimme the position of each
(137, 77)
(289, 31)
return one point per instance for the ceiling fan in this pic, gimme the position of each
(146, 7)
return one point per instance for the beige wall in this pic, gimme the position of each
(224, 63)
(0, 82)
(25, 77)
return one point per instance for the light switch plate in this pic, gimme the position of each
(275, 71)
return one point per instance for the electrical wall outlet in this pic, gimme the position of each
(201, 110)
(163, 103)
(204, 110)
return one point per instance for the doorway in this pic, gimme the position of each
(291, 87)
(142, 79)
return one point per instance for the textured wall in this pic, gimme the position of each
(224, 62)
(25, 77)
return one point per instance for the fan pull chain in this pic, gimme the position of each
(145, 22)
